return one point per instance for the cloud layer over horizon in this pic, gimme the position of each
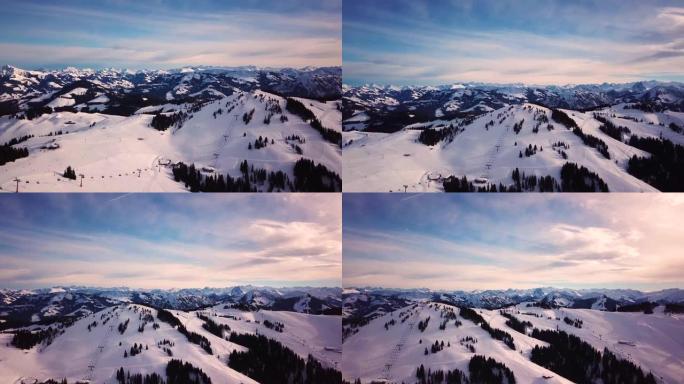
(165, 34)
(169, 241)
(512, 41)
(472, 242)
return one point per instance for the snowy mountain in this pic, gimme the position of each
(47, 306)
(428, 341)
(216, 345)
(362, 304)
(198, 129)
(128, 91)
(616, 137)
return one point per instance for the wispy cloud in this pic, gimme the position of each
(171, 34)
(551, 42)
(630, 241)
(153, 241)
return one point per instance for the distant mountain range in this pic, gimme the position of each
(122, 92)
(482, 137)
(372, 302)
(384, 105)
(19, 307)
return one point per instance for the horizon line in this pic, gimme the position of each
(506, 289)
(100, 69)
(169, 289)
(483, 83)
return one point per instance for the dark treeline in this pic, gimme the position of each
(611, 129)
(514, 323)
(18, 140)
(529, 183)
(472, 315)
(311, 177)
(577, 323)
(574, 178)
(517, 127)
(24, 339)
(481, 370)
(646, 106)
(455, 184)
(578, 361)
(422, 325)
(195, 338)
(663, 170)
(162, 122)
(69, 173)
(498, 334)
(196, 182)
(454, 376)
(9, 153)
(35, 112)
(645, 307)
(269, 362)
(168, 318)
(297, 108)
(579, 179)
(674, 308)
(562, 118)
(177, 372)
(213, 327)
(589, 140)
(276, 326)
(122, 326)
(592, 141)
(431, 136)
(487, 370)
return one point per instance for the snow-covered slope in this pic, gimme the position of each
(93, 347)
(45, 306)
(119, 153)
(21, 89)
(361, 305)
(95, 354)
(382, 350)
(486, 149)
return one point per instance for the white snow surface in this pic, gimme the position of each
(123, 154)
(70, 354)
(327, 112)
(382, 162)
(658, 342)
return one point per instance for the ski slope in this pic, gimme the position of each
(95, 355)
(383, 162)
(393, 355)
(125, 154)
(328, 112)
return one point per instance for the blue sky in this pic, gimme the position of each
(169, 241)
(557, 42)
(169, 33)
(466, 241)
